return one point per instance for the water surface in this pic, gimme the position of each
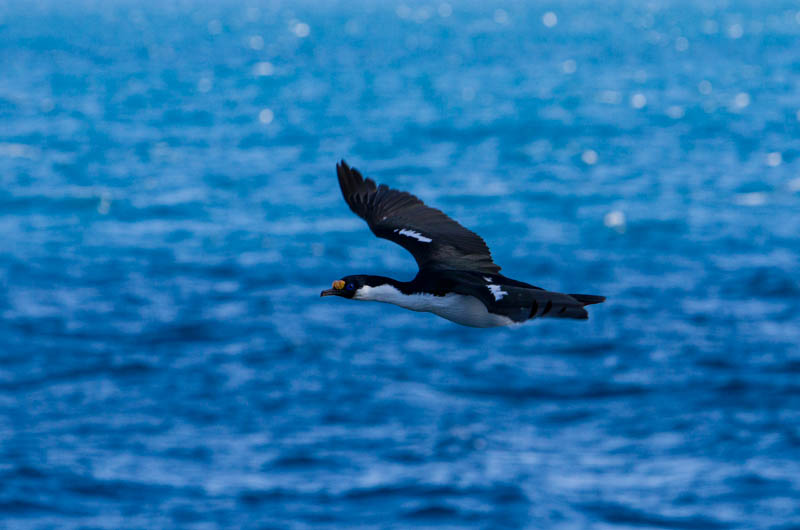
(169, 214)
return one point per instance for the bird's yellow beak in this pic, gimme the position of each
(338, 285)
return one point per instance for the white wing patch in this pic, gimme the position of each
(415, 235)
(497, 291)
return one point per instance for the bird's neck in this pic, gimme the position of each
(383, 289)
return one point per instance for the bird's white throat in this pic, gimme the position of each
(462, 309)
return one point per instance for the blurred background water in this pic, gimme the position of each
(169, 213)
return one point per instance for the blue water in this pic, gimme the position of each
(169, 214)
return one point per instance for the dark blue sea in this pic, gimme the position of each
(169, 213)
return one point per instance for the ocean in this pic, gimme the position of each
(169, 213)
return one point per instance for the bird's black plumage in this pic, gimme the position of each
(452, 261)
(435, 240)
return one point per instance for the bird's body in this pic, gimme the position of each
(457, 278)
(461, 309)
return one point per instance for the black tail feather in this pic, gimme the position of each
(588, 299)
(548, 304)
(559, 305)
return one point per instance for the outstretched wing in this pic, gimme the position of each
(435, 240)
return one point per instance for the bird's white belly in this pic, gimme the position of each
(459, 308)
(465, 310)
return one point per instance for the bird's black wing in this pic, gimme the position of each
(435, 240)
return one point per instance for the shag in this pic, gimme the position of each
(457, 278)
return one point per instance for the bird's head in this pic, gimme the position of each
(360, 287)
(346, 287)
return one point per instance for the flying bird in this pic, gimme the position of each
(457, 278)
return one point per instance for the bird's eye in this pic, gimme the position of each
(350, 287)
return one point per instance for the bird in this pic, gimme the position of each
(457, 278)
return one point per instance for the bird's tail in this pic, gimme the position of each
(588, 299)
(557, 305)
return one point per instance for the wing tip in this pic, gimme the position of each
(342, 169)
(349, 178)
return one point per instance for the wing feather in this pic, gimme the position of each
(435, 240)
